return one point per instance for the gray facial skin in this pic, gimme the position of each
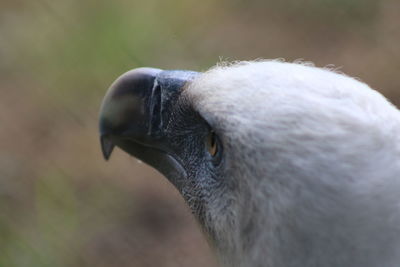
(283, 165)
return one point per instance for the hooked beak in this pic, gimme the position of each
(107, 146)
(132, 115)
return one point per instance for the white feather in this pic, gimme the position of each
(315, 157)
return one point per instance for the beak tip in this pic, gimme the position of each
(107, 147)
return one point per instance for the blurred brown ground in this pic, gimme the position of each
(61, 204)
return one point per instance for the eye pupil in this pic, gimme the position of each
(211, 144)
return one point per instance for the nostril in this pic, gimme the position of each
(155, 109)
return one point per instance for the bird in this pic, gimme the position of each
(283, 164)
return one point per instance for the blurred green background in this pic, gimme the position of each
(61, 204)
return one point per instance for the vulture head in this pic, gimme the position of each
(283, 165)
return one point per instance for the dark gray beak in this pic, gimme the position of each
(124, 105)
(107, 146)
(134, 110)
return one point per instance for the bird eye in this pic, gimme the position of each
(212, 144)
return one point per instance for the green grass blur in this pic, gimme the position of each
(60, 203)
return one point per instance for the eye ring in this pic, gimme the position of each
(212, 144)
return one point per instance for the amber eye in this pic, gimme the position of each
(212, 143)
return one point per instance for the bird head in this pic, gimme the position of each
(270, 157)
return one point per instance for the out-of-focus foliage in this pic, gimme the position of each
(60, 203)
